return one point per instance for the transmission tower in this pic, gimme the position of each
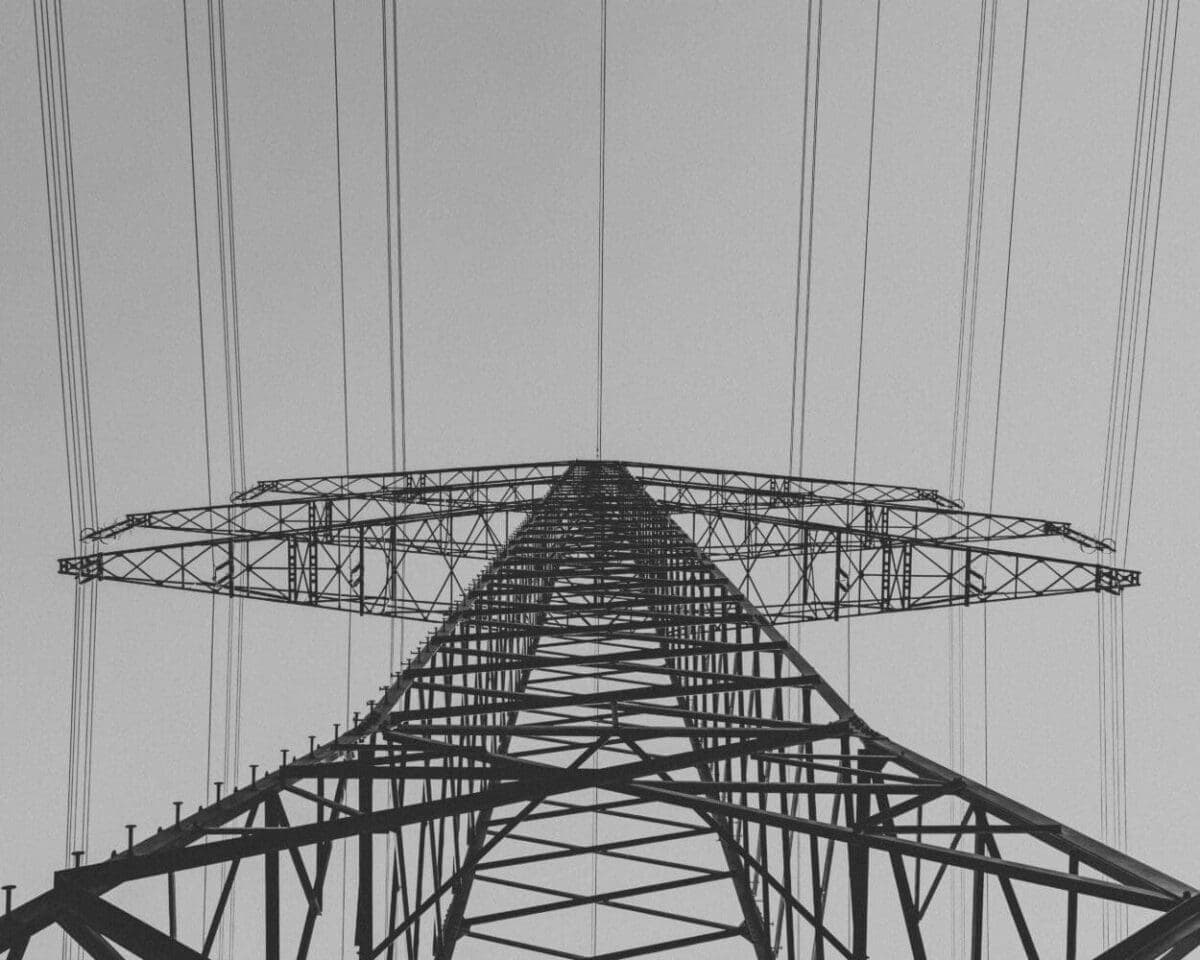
(606, 748)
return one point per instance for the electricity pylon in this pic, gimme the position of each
(606, 748)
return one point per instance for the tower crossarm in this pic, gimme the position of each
(370, 484)
(645, 473)
(669, 476)
(857, 571)
(358, 565)
(909, 518)
(902, 511)
(329, 511)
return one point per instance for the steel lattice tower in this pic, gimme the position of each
(606, 725)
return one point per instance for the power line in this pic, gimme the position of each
(75, 396)
(808, 273)
(1012, 218)
(397, 385)
(800, 246)
(796, 569)
(600, 207)
(1012, 215)
(212, 612)
(398, 360)
(600, 210)
(337, 128)
(1125, 408)
(862, 316)
(342, 313)
(964, 379)
(804, 217)
(1126, 267)
(232, 670)
(337, 133)
(1150, 287)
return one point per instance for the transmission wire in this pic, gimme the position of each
(399, 259)
(212, 617)
(74, 378)
(964, 375)
(1110, 618)
(1126, 401)
(797, 569)
(396, 358)
(395, 295)
(600, 206)
(1012, 213)
(75, 397)
(1104, 610)
(337, 127)
(800, 255)
(862, 317)
(227, 250)
(1126, 265)
(808, 273)
(600, 210)
(1150, 290)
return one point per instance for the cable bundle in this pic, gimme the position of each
(66, 275)
(227, 755)
(1125, 412)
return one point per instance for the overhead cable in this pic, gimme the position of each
(75, 395)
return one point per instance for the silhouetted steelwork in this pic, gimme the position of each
(604, 720)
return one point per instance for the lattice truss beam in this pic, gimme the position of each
(346, 542)
(604, 727)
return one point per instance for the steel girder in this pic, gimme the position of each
(603, 693)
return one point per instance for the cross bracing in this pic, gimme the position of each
(605, 725)
(342, 543)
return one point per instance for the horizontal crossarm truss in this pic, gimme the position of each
(348, 548)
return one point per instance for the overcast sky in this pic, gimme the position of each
(499, 127)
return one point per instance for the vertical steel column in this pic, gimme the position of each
(271, 892)
(364, 925)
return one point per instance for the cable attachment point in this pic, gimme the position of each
(113, 529)
(83, 569)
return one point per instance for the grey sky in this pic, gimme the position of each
(499, 132)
